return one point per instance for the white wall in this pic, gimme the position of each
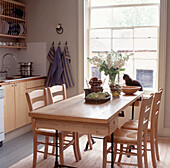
(43, 17)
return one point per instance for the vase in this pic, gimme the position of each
(112, 78)
(114, 88)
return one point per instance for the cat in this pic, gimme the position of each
(131, 82)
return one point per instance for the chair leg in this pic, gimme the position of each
(61, 150)
(152, 144)
(53, 148)
(139, 155)
(104, 152)
(75, 146)
(78, 147)
(156, 144)
(89, 140)
(145, 150)
(46, 146)
(35, 152)
(115, 151)
(120, 155)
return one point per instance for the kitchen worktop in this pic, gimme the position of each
(9, 81)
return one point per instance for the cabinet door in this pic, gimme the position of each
(21, 104)
(9, 108)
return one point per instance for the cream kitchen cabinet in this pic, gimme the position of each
(15, 107)
(9, 108)
(15, 103)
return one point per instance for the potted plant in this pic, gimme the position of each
(111, 63)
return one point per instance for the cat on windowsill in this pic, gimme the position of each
(130, 82)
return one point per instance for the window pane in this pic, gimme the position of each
(147, 65)
(124, 45)
(120, 2)
(147, 16)
(145, 44)
(98, 45)
(123, 40)
(101, 17)
(152, 55)
(123, 17)
(146, 32)
(145, 77)
(100, 33)
(123, 33)
(96, 72)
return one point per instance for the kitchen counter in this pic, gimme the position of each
(9, 81)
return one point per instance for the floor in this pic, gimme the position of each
(16, 149)
(19, 151)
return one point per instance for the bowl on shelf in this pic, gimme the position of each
(130, 89)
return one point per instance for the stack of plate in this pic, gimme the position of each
(4, 27)
(17, 29)
(12, 28)
(1, 9)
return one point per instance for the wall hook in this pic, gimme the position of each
(59, 29)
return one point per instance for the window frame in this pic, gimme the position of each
(88, 15)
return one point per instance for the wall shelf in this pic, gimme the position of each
(17, 47)
(13, 29)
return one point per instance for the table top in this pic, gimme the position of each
(75, 109)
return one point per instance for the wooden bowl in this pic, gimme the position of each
(130, 89)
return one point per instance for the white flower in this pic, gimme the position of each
(112, 59)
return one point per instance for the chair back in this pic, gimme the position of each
(57, 93)
(155, 108)
(144, 115)
(36, 99)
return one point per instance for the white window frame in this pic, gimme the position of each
(147, 90)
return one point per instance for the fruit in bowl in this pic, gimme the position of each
(99, 95)
(129, 90)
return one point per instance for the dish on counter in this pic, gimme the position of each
(129, 90)
(97, 98)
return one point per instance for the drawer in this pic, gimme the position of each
(35, 83)
(113, 125)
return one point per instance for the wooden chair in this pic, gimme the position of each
(58, 93)
(54, 97)
(131, 137)
(152, 127)
(37, 99)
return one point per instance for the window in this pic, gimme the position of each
(126, 26)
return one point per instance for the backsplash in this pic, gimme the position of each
(35, 52)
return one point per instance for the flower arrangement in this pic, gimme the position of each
(111, 63)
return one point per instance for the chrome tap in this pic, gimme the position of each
(2, 65)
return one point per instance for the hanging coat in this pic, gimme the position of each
(66, 76)
(57, 69)
(50, 57)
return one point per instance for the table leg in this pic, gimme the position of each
(112, 150)
(133, 110)
(56, 157)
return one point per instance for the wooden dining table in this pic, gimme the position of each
(74, 115)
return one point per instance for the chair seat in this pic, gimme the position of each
(46, 132)
(133, 125)
(124, 136)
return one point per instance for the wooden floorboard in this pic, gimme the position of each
(20, 149)
(16, 149)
